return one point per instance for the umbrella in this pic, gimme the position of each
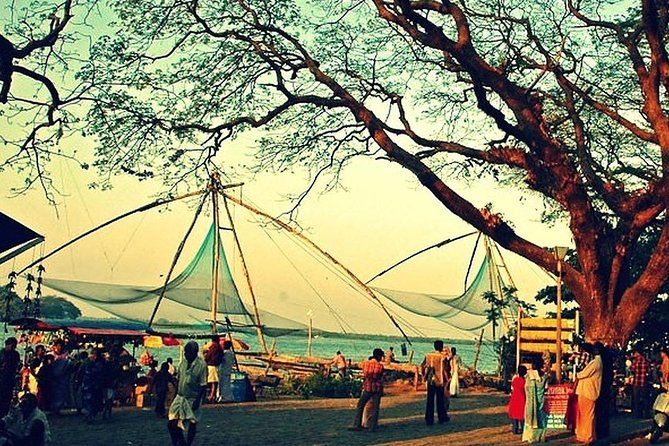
(158, 341)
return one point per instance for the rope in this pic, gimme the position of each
(340, 321)
(436, 245)
(143, 208)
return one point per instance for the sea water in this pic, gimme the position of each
(356, 349)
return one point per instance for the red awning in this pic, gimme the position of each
(43, 326)
(107, 332)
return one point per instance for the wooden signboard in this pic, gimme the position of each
(538, 335)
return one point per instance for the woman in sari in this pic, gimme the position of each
(535, 418)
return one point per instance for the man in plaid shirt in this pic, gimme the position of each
(372, 389)
(639, 369)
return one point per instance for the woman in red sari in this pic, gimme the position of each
(516, 407)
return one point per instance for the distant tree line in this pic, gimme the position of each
(52, 307)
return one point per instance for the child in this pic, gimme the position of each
(516, 407)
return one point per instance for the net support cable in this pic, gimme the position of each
(143, 208)
(256, 314)
(436, 245)
(179, 250)
(355, 278)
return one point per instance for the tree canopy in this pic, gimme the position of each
(565, 100)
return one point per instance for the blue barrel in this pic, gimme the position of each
(239, 386)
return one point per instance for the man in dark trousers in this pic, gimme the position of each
(9, 365)
(640, 368)
(603, 403)
(436, 372)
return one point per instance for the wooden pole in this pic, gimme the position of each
(309, 336)
(256, 313)
(168, 277)
(217, 254)
(518, 336)
(478, 348)
(492, 282)
(558, 328)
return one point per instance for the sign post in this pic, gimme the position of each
(556, 400)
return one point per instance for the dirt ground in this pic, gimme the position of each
(478, 417)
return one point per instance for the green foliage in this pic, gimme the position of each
(51, 307)
(54, 307)
(505, 348)
(320, 385)
(15, 310)
(499, 304)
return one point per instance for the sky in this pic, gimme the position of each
(381, 216)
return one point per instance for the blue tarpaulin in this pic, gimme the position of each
(16, 237)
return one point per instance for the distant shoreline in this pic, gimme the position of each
(393, 338)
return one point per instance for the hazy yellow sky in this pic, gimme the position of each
(382, 216)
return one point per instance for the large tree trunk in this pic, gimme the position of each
(606, 329)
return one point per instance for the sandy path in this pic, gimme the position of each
(477, 417)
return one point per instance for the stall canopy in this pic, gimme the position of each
(16, 238)
(91, 327)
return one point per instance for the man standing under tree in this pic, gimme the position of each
(639, 370)
(436, 372)
(184, 412)
(603, 403)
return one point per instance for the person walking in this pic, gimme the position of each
(184, 412)
(372, 389)
(536, 380)
(225, 373)
(161, 384)
(456, 365)
(435, 369)
(59, 387)
(588, 388)
(92, 385)
(339, 363)
(516, 408)
(213, 356)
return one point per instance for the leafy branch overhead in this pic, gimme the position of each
(565, 101)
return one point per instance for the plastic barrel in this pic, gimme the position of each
(238, 386)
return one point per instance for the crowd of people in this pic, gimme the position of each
(88, 381)
(50, 379)
(598, 376)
